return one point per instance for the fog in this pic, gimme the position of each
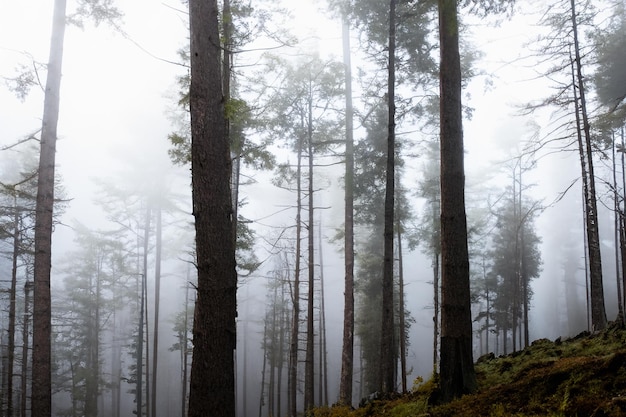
(119, 103)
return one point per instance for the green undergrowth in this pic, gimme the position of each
(580, 377)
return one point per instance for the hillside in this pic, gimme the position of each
(583, 376)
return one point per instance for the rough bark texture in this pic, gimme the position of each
(457, 366)
(212, 387)
(347, 351)
(42, 377)
(387, 362)
(598, 312)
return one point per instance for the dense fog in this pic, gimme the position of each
(124, 228)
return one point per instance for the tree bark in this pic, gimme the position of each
(295, 324)
(42, 332)
(457, 365)
(401, 312)
(157, 297)
(309, 369)
(387, 362)
(598, 312)
(212, 388)
(25, 347)
(347, 350)
(12, 305)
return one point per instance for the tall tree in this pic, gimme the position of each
(212, 369)
(347, 350)
(457, 375)
(598, 312)
(387, 362)
(42, 315)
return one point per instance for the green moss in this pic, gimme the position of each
(583, 376)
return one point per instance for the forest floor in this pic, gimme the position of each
(584, 376)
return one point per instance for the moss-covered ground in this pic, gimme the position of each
(580, 377)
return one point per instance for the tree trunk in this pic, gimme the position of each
(347, 351)
(214, 331)
(401, 311)
(457, 365)
(42, 332)
(436, 253)
(27, 287)
(386, 373)
(185, 353)
(142, 315)
(616, 222)
(295, 324)
(323, 365)
(309, 372)
(262, 395)
(598, 312)
(12, 306)
(157, 297)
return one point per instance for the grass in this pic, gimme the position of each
(581, 377)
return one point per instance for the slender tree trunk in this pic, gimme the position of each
(147, 348)
(244, 390)
(12, 306)
(401, 311)
(598, 312)
(323, 365)
(185, 352)
(347, 351)
(262, 395)
(436, 215)
(42, 331)
(309, 369)
(281, 350)
(622, 220)
(271, 392)
(142, 316)
(293, 349)
(616, 223)
(157, 297)
(386, 373)
(457, 365)
(214, 333)
(27, 287)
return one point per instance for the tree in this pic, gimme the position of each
(387, 368)
(42, 332)
(347, 350)
(457, 376)
(214, 340)
(42, 385)
(598, 312)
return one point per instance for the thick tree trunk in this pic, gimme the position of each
(387, 362)
(42, 332)
(214, 331)
(347, 350)
(457, 365)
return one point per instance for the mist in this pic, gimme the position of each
(124, 223)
